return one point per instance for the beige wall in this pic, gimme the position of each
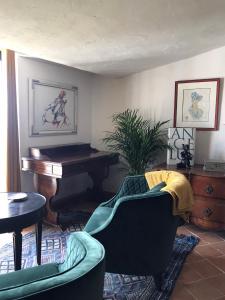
(152, 91)
(32, 69)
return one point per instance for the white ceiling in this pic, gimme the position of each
(112, 37)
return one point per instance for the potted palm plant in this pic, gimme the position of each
(137, 140)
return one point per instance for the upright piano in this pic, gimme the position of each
(50, 165)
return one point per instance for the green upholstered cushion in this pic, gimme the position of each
(65, 284)
(158, 187)
(101, 214)
(25, 276)
(133, 185)
(76, 252)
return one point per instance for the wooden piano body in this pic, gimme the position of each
(52, 164)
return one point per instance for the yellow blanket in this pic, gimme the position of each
(179, 188)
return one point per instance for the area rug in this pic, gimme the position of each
(117, 286)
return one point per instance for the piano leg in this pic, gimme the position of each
(48, 187)
(97, 176)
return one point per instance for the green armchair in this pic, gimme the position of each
(80, 276)
(137, 229)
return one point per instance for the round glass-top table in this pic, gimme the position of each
(16, 214)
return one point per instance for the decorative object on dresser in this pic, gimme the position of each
(176, 138)
(196, 103)
(52, 165)
(214, 165)
(52, 108)
(186, 158)
(209, 196)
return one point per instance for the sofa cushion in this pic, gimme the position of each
(25, 276)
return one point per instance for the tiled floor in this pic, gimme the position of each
(203, 273)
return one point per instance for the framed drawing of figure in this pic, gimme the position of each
(52, 108)
(196, 103)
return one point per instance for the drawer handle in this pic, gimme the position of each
(209, 189)
(207, 212)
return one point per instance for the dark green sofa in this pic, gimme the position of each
(137, 229)
(80, 276)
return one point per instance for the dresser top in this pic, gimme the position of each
(194, 170)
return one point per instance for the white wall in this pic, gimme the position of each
(152, 91)
(30, 68)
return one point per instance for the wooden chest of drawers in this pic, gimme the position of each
(209, 206)
(209, 196)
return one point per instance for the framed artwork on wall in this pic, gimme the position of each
(52, 108)
(196, 103)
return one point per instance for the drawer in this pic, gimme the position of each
(43, 168)
(208, 213)
(208, 186)
(209, 209)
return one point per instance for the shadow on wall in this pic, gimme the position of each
(221, 118)
(117, 174)
(209, 145)
(202, 146)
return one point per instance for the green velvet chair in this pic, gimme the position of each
(80, 276)
(137, 229)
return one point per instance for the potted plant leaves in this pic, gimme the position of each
(137, 140)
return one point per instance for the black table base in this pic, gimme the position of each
(14, 216)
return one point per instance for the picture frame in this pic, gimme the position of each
(52, 108)
(196, 103)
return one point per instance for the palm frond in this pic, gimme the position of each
(136, 139)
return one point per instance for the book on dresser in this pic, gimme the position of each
(176, 138)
